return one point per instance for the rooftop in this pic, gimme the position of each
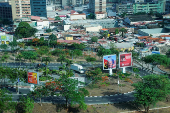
(136, 18)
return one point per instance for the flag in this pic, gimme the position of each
(18, 79)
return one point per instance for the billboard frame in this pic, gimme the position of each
(37, 76)
(103, 61)
(131, 59)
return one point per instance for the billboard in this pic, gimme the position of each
(125, 60)
(109, 62)
(33, 78)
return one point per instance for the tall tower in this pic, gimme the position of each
(20, 8)
(97, 6)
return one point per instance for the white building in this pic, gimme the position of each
(78, 16)
(100, 15)
(63, 17)
(93, 28)
(97, 6)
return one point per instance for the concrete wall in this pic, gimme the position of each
(77, 17)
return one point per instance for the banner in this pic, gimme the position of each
(109, 62)
(125, 60)
(3, 37)
(33, 78)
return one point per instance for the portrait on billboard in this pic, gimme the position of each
(125, 60)
(32, 77)
(109, 62)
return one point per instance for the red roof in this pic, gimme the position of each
(72, 12)
(69, 41)
(104, 29)
(35, 18)
(99, 13)
(165, 36)
(62, 15)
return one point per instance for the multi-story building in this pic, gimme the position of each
(124, 8)
(21, 8)
(147, 7)
(5, 11)
(167, 7)
(97, 6)
(38, 8)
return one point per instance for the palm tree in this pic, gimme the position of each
(61, 59)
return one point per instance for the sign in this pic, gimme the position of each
(155, 52)
(125, 60)
(33, 78)
(3, 37)
(109, 62)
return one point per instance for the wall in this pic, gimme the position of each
(46, 24)
(100, 16)
(66, 27)
(77, 17)
(93, 29)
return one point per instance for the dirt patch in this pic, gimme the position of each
(105, 108)
(167, 69)
(110, 87)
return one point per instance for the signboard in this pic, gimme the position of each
(155, 52)
(3, 37)
(109, 62)
(33, 78)
(125, 60)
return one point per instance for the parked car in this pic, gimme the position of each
(40, 65)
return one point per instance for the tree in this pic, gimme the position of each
(62, 58)
(69, 89)
(48, 30)
(123, 30)
(102, 51)
(95, 75)
(19, 57)
(116, 31)
(4, 47)
(52, 37)
(105, 34)
(39, 92)
(43, 50)
(30, 55)
(5, 57)
(90, 59)
(5, 105)
(78, 46)
(24, 30)
(151, 89)
(94, 39)
(77, 53)
(91, 16)
(27, 104)
(13, 44)
(57, 18)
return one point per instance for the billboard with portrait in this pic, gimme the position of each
(125, 60)
(109, 62)
(33, 78)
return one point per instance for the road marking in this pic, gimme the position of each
(89, 100)
(97, 100)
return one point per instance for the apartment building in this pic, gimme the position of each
(147, 7)
(167, 7)
(38, 8)
(5, 11)
(97, 6)
(124, 8)
(21, 8)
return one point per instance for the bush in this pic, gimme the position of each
(44, 78)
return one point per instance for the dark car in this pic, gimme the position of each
(40, 65)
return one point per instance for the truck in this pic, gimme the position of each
(78, 68)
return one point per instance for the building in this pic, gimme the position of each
(78, 16)
(147, 7)
(5, 11)
(97, 6)
(167, 7)
(124, 8)
(100, 15)
(38, 8)
(20, 8)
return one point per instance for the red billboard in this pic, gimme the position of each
(125, 60)
(33, 78)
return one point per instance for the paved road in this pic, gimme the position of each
(88, 100)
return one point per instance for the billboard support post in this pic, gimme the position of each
(123, 70)
(110, 72)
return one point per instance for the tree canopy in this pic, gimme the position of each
(52, 37)
(24, 30)
(151, 89)
(57, 18)
(94, 39)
